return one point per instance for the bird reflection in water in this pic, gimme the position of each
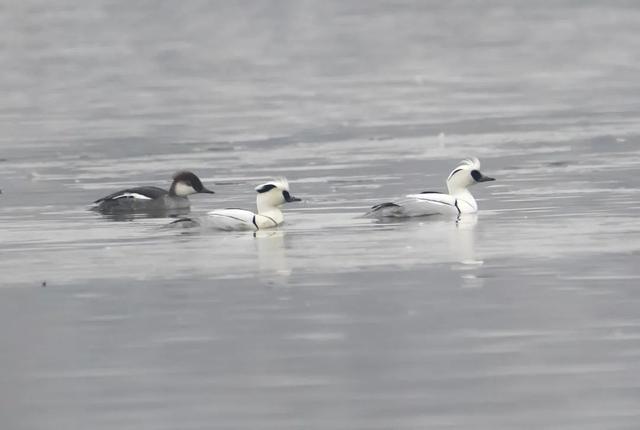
(462, 243)
(272, 258)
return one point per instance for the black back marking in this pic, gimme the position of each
(436, 202)
(179, 220)
(384, 205)
(230, 216)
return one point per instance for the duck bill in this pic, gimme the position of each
(486, 179)
(292, 199)
(206, 191)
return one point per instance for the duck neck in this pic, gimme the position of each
(465, 195)
(270, 211)
(172, 189)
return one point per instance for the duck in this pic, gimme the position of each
(456, 202)
(151, 199)
(271, 196)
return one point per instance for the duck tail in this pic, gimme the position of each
(183, 223)
(381, 210)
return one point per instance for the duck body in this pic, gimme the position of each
(153, 199)
(457, 201)
(271, 196)
(142, 198)
(240, 219)
(412, 205)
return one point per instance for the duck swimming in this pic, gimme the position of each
(456, 202)
(151, 199)
(271, 196)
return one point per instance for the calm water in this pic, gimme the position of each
(525, 316)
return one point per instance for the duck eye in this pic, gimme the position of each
(286, 195)
(476, 175)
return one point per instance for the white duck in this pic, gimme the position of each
(458, 201)
(271, 196)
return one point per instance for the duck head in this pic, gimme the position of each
(465, 175)
(273, 194)
(186, 183)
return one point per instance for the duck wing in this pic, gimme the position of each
(431, 203)
(140, 193)
(231, 219)
(414, 205)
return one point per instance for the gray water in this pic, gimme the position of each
(526, 316)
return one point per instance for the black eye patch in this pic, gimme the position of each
(265, 188)
(476, 175)
(286, 195)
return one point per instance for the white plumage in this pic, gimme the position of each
(456, 202)
(131, 196)
(271, 196)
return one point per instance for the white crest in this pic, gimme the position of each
(280, 183)
(467, 164)
(472, 162)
